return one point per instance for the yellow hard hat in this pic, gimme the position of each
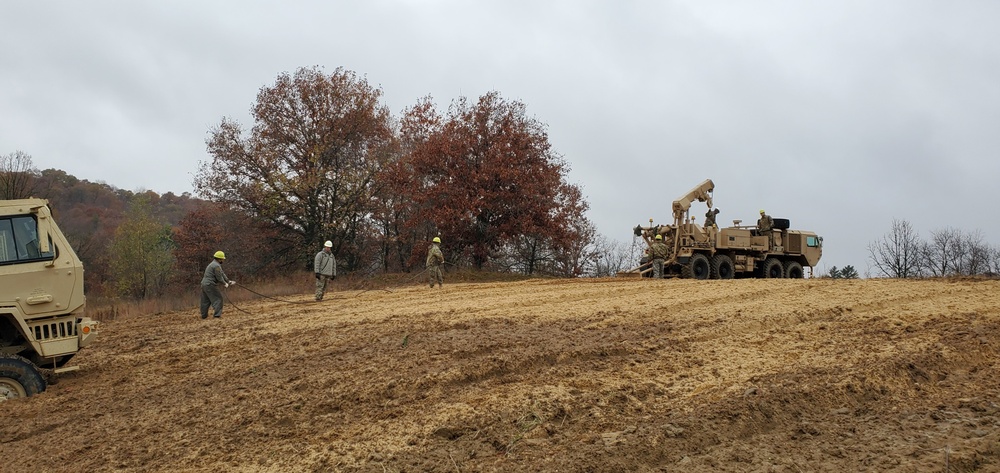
(220, 255)
(659, 237)
(436, 240)
(761, 210)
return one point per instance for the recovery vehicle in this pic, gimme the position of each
(701, 252)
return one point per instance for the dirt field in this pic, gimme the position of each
(606, 375)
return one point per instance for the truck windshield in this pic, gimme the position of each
(19, 241)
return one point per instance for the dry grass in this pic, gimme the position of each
(601, 375)
(103, 308)
(111, 308)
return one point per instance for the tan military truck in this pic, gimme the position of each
(41, 299)
(701, 252)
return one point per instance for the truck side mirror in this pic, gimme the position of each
(44, 228)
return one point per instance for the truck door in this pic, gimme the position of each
(29, 272)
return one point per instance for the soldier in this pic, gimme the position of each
(325, 267)
(210, 294)
(764, 226)
(435, 259)
(710, 217)
(658, 251)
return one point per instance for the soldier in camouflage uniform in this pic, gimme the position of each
(435, 260)
(658, 251)
(210, 294)
(710, 217)
(325, 267)
(764, 227)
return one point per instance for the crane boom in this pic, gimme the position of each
(702, 193)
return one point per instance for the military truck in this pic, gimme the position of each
(42, 325)
(701, 252)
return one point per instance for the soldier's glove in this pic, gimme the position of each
(232, 283)
(317, 275)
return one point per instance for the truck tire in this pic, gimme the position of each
(697, 267)
(722, 267)
(19, 378)
(772, 269)
(793, 270)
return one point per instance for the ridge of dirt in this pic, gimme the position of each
(539, 375)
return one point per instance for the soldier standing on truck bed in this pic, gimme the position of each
(764, 226)
(210, 294)
(658, 252)
(710, 217)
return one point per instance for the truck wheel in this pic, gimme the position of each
(697, 267)
(19, 378)
(772, 268)
(793, 270)
(722, 267)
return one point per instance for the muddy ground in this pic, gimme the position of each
(602, 375)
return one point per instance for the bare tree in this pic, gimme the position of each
(609, 257)
(971, 255)
(17, 176)
(939, 252)
(897, 254)
(994, 269)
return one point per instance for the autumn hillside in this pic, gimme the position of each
(540, 375)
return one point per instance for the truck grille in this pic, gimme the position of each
(52, 330)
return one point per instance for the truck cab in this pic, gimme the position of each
(42, 322)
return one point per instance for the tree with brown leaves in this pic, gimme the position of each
(484, 177)
(308, 164)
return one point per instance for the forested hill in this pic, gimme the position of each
(71, 196)
(90, 214)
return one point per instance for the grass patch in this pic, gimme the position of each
(103, 308)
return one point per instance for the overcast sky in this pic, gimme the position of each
(838, 115)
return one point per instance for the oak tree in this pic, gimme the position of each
(308, 164)
(484, 176)
(211, 227)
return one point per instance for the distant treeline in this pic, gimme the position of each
(902, 253)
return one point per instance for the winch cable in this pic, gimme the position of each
(281, 300)
(387, 289)
(364, 279)
(230, 301)
(294, 302)
(408, 280)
